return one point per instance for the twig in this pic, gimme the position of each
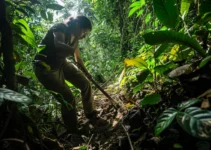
(128, 136)
(89, 140)
(17, 140)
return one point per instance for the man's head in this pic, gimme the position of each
(80, 26)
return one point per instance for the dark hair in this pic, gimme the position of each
(83, 21)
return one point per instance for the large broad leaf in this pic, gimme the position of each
(14, 96)
(138, 62)
(196, 122)
(151, 99)
(24, 31)
(160, 37)
(188, 103)
(184, 7)
(165, 120)
(54, 6)
(167, 12)
(135, 6)
(141, 76)
(205, 61)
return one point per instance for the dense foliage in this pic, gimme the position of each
(158, 51)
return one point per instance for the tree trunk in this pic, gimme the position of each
(124, 26)
(7, 49)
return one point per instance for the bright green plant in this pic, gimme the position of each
(167, 12)
(135, 6)
(150, 99)
(193, 120)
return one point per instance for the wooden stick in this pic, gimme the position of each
(113, 102)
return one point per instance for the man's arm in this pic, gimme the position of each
(80, 62)
(59, 41)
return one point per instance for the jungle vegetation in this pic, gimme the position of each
(151, 56)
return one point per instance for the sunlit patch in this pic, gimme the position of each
(60, 2)
(73, 13)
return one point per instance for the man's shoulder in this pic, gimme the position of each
(59, 27)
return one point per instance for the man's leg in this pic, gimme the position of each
(78, 79)
(54, 81)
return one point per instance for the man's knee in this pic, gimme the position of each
(86, 86)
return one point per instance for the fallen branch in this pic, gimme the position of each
(18, 140)
(128, 136)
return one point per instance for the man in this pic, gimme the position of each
(52, 69)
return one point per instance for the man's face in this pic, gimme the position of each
(81, 33)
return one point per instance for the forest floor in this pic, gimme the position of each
(131, 126)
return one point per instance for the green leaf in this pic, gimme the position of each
(43, 14)
(132, 11)
(160, 37)
(50, 16)
(138, 62)
(196, 122)
(14, 96)
(68, 83)
(204, 61)
(204, 19)
(24, 31)
(22, 11)
(8, 2)
(83, 148)
(163, 68)
(20, 65)
(30, 74)
(165, 120)
(147, 18)
(167, 12)
(184, 7)
(29, 9)
(135, 6)
(188, 103)
(140, 13)
(41, 47)
(54, 6)
(141, 76)
(162, 48)
(137, 88)
(151, 99)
